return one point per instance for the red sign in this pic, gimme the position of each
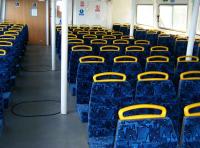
(82, 4)
(97, 9)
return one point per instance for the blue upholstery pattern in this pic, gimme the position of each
(146, 133)
(106, 99)
(140, 34)
(85, 73)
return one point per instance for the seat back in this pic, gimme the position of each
(97, 44)
(128, 65)
(140, 34)
(180, 47)
(184, 64)
(144, 43)
(154, 87)
(125, 28)
(190, 131)
(122, 43)
(129, 38)
(188, 92)
(166, 40)
(110, 92)
(109, 52)
(88, 37)
(116, 27)
(160, 51)
(109, 38)
(88, 67)
(160, 63)
(152, 36)
(77, 52)
(145, 130)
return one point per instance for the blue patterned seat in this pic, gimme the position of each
(166, 40)
(80, 34)
(109, 38)
(160, 51)
(125, 29)
(144, 43)
(154, 87)
(129, 38)
(109, 52)
(152, 36)
(145, 130)
(139, 52)
(88, 37)
(88, 67)
(97, 44)
(188, 91)
(140, 34)
(184, 65)
(122, 43)
(191, 127)
(116, 27)
(180, 47)
(100, 34)
(77, 52)
(128, 65)
(160, 63)
(109, 93)
(117, 34)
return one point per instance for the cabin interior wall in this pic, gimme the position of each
(22, 14)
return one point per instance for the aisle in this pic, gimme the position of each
(41, 132)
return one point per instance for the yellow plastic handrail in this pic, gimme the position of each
(143, 116)
(131, 48)
(158, 59)
(76, 41)
(1, 29)
(159, 48)
(188, 73)
(152, 32)
(11, 32)
(123, 79)
(90, 36)
(87, 59)
(120, 59)
(116, 24)
(83, 32)
(140, 76)
(127, 37)
(181, 39)
(101, 33)
(7, 44)
(72, 36)
(117, 33)
(109, 37)
(3, 52)
(81, 48)
(184, 59)
(109, 48)
(120, 41)
(8, 36)
(98, 41)
(189, 107)
(142, 42)
(163, 35)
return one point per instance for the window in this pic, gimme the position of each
(198, 25)
(173, 17)
(145, 15)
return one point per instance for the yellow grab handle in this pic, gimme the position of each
(134, 48)
(152, 32)
(165, 76)
(11, 32)
(184, 74)
(101, 33)
(189, 107)
(76, 41)
(117, 33)
(5, 44)
(87, 59)
(123, 79)
(120, 41)
(83, 32)
(109, 37)
(72, 36)
(109, 48)
(184, 59)
(116, 24)
(127, 37)
(125, 59)
(3, 52)
(142, 42)
(90, 36)
(98, 41)
(143, 116)
(81, 48)
(163, 35)
(157, 59)
(159, 48)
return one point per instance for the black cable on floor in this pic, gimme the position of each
(33, 101)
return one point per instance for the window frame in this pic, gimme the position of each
(137, 14)
(173, 17)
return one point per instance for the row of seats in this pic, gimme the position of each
(13, 41)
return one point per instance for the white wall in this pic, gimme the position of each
(121, 12)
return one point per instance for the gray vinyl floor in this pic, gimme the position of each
(33, 84)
